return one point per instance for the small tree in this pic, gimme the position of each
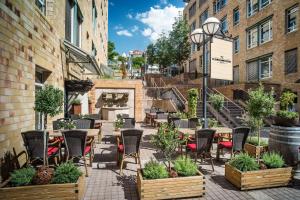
(193, 96)
(166, 140)
(217, 102)
(259, 106)
(49, 101)
(138, 62)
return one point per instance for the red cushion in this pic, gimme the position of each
(225, 144)
(120, 148)
(191, 146)
(87, 150)
(52, 150)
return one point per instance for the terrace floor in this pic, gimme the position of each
(105, 182)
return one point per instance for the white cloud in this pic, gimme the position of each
(124, 33)
(164, 2)
(158, 20)
(134, 29)
(129, 16)
(156, 6)
(118, 27)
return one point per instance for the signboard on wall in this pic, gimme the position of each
(221, 59)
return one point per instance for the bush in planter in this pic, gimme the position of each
(193, 95)
(244, 163)
(273, 160)
(66, 173)
(154, 170)
(217, 101)
(76, 102)
(184, 166)
(254, 141)
(287, 99)
(67, 124)
(212, 123)
(22, 176)
(119, 122)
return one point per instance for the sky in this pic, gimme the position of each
(133, 24)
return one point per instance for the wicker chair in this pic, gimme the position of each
(130, 146)
(129, 122)
(193, 122)
(36, 150)
(202, 145)
(76, 146)
(85, 123)
(237, 142)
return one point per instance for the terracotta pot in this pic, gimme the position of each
(90, 108)
(76, 109)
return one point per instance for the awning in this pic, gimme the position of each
(78, 85)
(76, 55)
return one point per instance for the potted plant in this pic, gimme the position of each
(76, 107)
(192, 102)
(66, 181)
(285, 117)
(245, 173)
(66, 124)
(118, 124)
(158, 181)
(217, 102)
(259, 106)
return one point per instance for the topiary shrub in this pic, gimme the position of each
(66, 173)
(273, 160)
(154, 170)
(184, 166)
(22, 176)
(244, 163)
(192, 102)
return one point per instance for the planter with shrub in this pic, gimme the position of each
(119, 123)
(67, 181)
(162, 181)
(252, 148)
(246, 173)
(76, 107)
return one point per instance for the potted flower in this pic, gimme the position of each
(118, 124)
(245, 173)
(285, 117)
(76, 107)
(259, 106)
(66, 181)
(159, 181)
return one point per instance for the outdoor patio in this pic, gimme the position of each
(106, 183)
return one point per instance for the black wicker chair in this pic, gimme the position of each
(130, 146)
(36, 149)
(202, 145)
(76, 146)
(193, 122)
(129, 122)
(238, 140)
(85, 123)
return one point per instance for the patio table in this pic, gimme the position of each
(91, 132)
(219, 130)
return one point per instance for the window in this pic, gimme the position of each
(74, 20)
(259, 69)
(266, 32)
(236, 74)
(94, 50)
(203, 17)
(41, 4)
(224, 24)
(291, 60)
(291, 19)
(252, 7)
(192, 10)
(236, 16)
(94, 16)
(236, 44)
(39, 84)
(259, 34)
(218, 5)
(192, 28)
(264, 3)
(192, 66)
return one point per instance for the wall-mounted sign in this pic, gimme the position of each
(221, 59)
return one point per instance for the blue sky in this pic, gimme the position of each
(133, 24)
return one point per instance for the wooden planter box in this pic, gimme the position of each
(266, 178)
(255, 151)
(68, 191)
(170, 188)
(76, 109)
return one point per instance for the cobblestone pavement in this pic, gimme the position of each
(105, 182)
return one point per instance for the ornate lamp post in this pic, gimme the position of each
(209, 28)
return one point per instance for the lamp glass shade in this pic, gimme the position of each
(197, 36)
(211, 26)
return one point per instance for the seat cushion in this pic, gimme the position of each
(191, 146)
(225, 144)
(52, 150)
(120, 148)
(87, 150)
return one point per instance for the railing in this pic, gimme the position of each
(179, 96)
(240, 95)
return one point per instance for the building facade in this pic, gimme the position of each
(265, 38)
(45, 42)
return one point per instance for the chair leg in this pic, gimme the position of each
(121, 166)
(85, 166)
(218, 153)
(212, 163)
(195, 154)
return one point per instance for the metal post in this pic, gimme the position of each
(204, 84)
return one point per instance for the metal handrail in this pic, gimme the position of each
(224, 107)
(227, 99)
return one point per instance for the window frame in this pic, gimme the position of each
(218, 5)
(286, 72)
(261, 5)
(270, 24)
(286, 18)
(234, 11)
(41, 4)
(236, 50)
(258, 62)
(94, 16)
(200, 17)
(192, 10)
(238, 74)
(224, 19)
(270, 63)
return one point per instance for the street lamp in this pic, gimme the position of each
(209, 28)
